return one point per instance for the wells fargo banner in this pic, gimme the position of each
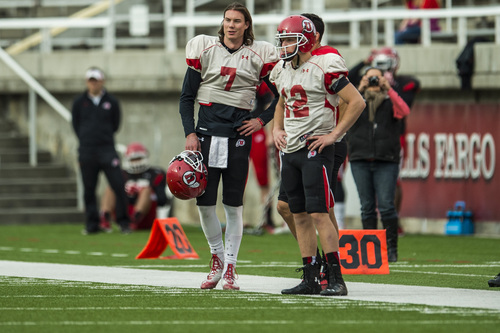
(451, 155)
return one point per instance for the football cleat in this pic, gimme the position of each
(228, 281)
(495, 282)
(309, 284)
(216, 267)
(336, 285)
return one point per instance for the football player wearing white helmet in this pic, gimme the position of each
(305, 130)
(223, 74)
(144, 188)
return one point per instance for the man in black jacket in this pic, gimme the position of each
(96, 118)
(374, 153)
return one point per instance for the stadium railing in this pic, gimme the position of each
(458, 27)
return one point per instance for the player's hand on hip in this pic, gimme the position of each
(279, 139)
(249, 127)
(319, 142)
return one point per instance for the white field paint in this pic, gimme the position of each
(399, 294)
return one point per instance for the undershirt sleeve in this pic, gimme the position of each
(190, 86)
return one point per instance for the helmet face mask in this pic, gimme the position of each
(187, 175)
(136, 158)
(300, 40)
(299, 28)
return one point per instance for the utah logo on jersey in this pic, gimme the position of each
(240, 143)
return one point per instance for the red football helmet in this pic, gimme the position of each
(187, 175)
(136, 158)
(386, 58)
(299, 27)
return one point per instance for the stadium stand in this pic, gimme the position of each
(147, 68)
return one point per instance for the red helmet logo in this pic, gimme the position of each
(189, 178)
(187, 175)
(307, 26)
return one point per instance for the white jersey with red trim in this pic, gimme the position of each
(311, 105)
(229, 78)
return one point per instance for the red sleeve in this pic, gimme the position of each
(266, 69)
(194, 63)
(399, 106)
(330, 78)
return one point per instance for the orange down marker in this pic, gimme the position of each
(167, 232)
(363, 252)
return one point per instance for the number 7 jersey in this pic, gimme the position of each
(311, 102)
(229, 78)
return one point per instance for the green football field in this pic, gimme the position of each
(30, 304)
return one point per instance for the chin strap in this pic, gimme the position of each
(290, 60)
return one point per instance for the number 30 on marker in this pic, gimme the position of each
(363, 252)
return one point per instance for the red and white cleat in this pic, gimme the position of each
(216, 267)
(228, 280)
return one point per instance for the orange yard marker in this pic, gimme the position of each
(167, 232)
(363, 252)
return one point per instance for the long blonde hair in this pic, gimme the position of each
(248, 36)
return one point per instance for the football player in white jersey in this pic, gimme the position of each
(340, 152)
(305, 130)
(223, 74)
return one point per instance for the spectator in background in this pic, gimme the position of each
(96, 118)
(145, 188)
(374, 153)
(407, 87)
(410, 29)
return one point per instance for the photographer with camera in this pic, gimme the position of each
(374, 153)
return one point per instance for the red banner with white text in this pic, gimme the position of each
(451, 155)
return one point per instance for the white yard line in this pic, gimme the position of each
(434, 296)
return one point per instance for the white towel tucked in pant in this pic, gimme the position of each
(218, 152)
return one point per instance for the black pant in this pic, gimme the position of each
(90, 165)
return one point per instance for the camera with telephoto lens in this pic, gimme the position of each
(373, 81)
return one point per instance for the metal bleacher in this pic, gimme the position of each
(168, 24)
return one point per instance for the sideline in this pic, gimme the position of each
(433, 296)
